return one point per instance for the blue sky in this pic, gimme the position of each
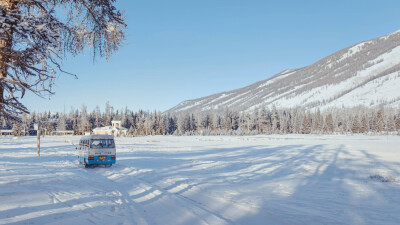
(177, 50)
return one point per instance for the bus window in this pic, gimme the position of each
(102, 143)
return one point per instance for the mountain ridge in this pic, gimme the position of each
(366, 73)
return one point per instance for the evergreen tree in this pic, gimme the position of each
(17, 129)
(75, 124)
(391, 125)
(62, 123)
(139, 124)
(378, 121)
(181, 125)
(263, 120)
(307, 123)
(228, 121)
(364, 125)
(83, 125)
(235, 121)
(398, 121)
(131, 131)
(328, 125)
(147, 124)
(162, 127)
(356, 125)
(298, 121)
(109, 111)
(97, 117)
(276, 126)
(173, 125)
(25, 124)
(216, 123)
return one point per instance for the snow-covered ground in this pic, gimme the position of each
(289, 179)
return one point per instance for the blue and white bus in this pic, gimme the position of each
(94, 150)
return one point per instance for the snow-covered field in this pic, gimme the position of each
(289, 179)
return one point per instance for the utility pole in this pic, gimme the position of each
(38, 139)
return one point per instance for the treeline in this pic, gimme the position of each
(260, 121)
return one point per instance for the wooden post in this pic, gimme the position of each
(38, 139)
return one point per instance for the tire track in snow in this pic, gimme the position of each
(196, 207)
(230, 203)
(190, 202)
(174, 200)
(129, 208)
(107, 190)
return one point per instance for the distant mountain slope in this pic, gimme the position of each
(367, 73)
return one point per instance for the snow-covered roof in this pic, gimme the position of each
(103, 128)
(97, 136)
(107, 128)
(6, 130)
(63, 131)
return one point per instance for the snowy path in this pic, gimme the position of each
(204, 180)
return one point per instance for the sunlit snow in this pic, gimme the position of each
(281, 179)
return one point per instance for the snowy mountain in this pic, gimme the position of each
(367, 73)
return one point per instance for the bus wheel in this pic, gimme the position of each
(86, 165)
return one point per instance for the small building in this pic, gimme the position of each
(63, 132)
(6, 132)
(115, 129)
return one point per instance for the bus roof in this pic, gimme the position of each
(97, 136)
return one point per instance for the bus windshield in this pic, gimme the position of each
(102, 143)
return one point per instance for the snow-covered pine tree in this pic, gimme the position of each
(235, 121)
(284, 122)
(75, 124)
(298, 121)
(62, 123)
(26, 123)
(84, 125)
(156, 123)
(242, 128)
(276, 126)
(228, 120)
(398, 121)
(125, 118)
(3, 123)
(262, 121)
(97, 117)
(17, 131)
(207, 122)
(181, 124)
(255, 121)
(318, 122)
(109, 111)
(328, 124)
(356, 126)
(200, 123)
(131, 131)
(147, 124)
(35, 35)
(162, 127)
(390, 123)
(139, 124)
(216, 123)
(364, 125)
(378, 120)
(172, 125)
